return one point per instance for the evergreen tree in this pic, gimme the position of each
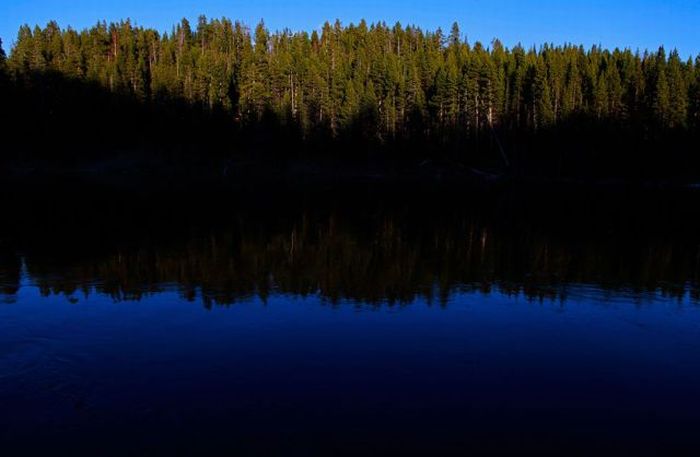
(678, 91)
(391, 84)
(694, 109)
(3, 57)
(662, 99)
(543, 111)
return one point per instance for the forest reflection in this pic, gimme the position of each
(381, 256)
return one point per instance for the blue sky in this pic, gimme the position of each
(637, 24)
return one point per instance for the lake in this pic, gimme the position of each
(356, 322)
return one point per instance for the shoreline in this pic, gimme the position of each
(127, 173)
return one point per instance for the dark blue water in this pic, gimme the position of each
(298, 376)
(352, 325)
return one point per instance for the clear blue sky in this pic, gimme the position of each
(637, 24)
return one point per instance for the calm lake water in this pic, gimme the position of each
(371, 328)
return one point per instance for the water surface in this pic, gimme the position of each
(319, 329)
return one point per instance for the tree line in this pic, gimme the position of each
(375, 84)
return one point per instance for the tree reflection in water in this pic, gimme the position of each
(364, 249)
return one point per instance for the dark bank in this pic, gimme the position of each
(360, 94)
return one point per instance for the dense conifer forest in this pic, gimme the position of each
(355, 91)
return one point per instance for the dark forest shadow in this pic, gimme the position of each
(62, 121)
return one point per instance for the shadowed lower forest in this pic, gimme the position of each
(219, 92)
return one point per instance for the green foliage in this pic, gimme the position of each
(3, 57)
(395, 81)
(694, 108)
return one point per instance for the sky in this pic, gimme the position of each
(635, 24)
